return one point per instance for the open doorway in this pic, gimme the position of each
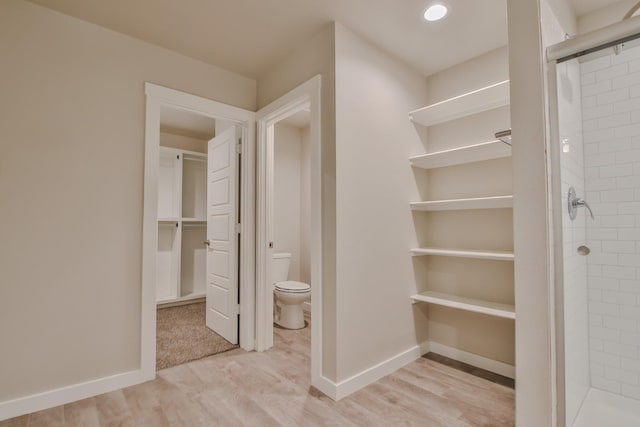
(198, 225)
(182, 330)
(301, 105)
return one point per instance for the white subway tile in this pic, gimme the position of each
(628, 156)
(618, 272)
(613, 96)
(612, 171)
(629, 364)
(595, 65)
(595, 320)
(630, 130)
(631, 338)
(597, 112)
(629, 260)
(605, 359)
(615, 120)
(627, 80)
(632, 181)
(615, 144)
(619, 247)
(601, 233)
(631, 391)
(619, 324)
(597, 369)
(605, 384)
(588, 79)
(619, 70)
(630, 286)
(626, 195)
(629, 312)
(590, 101)
(604, 309)
(626, 105)
(618, 220)
(621, 375)
(606, 86)
(629, 208)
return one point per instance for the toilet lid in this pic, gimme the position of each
(292, 286)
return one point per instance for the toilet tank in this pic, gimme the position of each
(280, 267)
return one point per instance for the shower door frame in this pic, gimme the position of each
(567, 50)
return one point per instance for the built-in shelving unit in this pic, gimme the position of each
(467, 304)
(487, 98)
(492, 202)
(458, 156)
(181, 256)
(464, 253)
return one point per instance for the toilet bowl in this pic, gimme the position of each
(288, 295)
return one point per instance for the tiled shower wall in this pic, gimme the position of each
(611, 131)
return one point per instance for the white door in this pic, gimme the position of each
(222, 238)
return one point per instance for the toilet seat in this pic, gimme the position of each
(293, 287)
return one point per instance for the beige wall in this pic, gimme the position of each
(316, 56)
(374, 139)
(71, 179)
(486, 336)
(290, 178)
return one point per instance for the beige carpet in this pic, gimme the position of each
(182, 336)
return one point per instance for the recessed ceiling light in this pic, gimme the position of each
(435, 12)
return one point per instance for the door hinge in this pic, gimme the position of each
(239, 146)
(238, 309)
(238, 228)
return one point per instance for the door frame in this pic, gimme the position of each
(305, 95)
(156, 98)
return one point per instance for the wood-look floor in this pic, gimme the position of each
(272, 388)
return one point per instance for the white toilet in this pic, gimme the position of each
(289, 295)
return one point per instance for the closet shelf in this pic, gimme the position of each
(468, 304)
(168, 219)
(194, 220)
(494, 202)
(464, 253)
(487, 98)
(458, 156)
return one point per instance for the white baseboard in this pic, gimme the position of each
(485, 363)
(373, 374)
(326, 386)
(68, 394)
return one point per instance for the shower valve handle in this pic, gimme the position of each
(574, 202)
(580, 203)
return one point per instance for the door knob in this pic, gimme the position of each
(207, 242)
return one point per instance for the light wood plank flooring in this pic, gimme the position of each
(272, 388)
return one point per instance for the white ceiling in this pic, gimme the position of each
(248, 36)
(581, 7)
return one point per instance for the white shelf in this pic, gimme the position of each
(194, 220)
(465, 253)
(495, 202)
(461, 155)
(468, 304)
(168, 220)
(488, 98)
